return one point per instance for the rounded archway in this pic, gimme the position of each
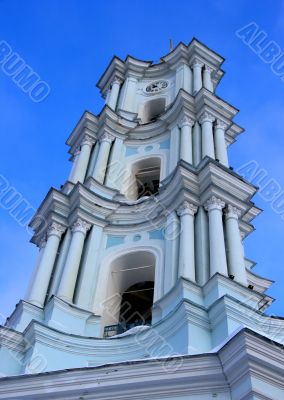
(130, 292)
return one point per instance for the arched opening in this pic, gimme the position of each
(151, 110)
(144, 178)
(130, 291)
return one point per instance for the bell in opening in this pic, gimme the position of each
(148, 180)
(142, 178)
(136, 305)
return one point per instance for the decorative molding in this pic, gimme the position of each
(56, 229)
(197, 63)
(88, 140)
(186, 121)
(186, 208)
(81, 226)
(206, 117)
(214, 204)
(232, 212)
(117, 81)
(106, 137)
(224, 369)
(208, 69)
(221, 124)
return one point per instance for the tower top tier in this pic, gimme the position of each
(193, 53)
(141, 91)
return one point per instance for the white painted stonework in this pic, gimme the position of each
(141, 287)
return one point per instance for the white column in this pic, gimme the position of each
(39, 257)
(220, 142)
(93, 159)
(187, 79)
(236, 262)
(196, 144)
(88, 279)
(183, 78)
(206, 121)
(83, 160)
(71, 267)
(218, 262)
(60, 262)
(201, 232)
(207, 79)
(128, 103)
(172, 233)
(107, 96)
(115, 165)
(112, 98)
(186, 139)
(74, 165)
(40, 285)
(197, 76)
(174, 146)
(102, 159)
(186, 253)
(179, 79)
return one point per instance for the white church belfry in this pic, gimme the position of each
(147, 233)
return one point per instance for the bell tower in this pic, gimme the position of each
(141, 251)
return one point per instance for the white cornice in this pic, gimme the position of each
(103, 206)
(181, 54)
(241, 292)
(245, 356)
(259, 283)
(12, 340)
(88, 124)
(183, 105)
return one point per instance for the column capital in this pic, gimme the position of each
(208, 69)
(232, 212)
(186, 208)
(221, 124)
(106, 137)
(88, 140)
(55, 229)
(81, 226)
(186, 121)
(116, 81)
(214, 204)
(206, 117)
(196, 63)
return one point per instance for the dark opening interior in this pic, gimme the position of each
(136, 305)
(153, 109)
(148, 181)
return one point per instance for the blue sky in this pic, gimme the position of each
(69, 43)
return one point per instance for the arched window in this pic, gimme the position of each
(130, 290)
(151, 110)
(144, 178)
